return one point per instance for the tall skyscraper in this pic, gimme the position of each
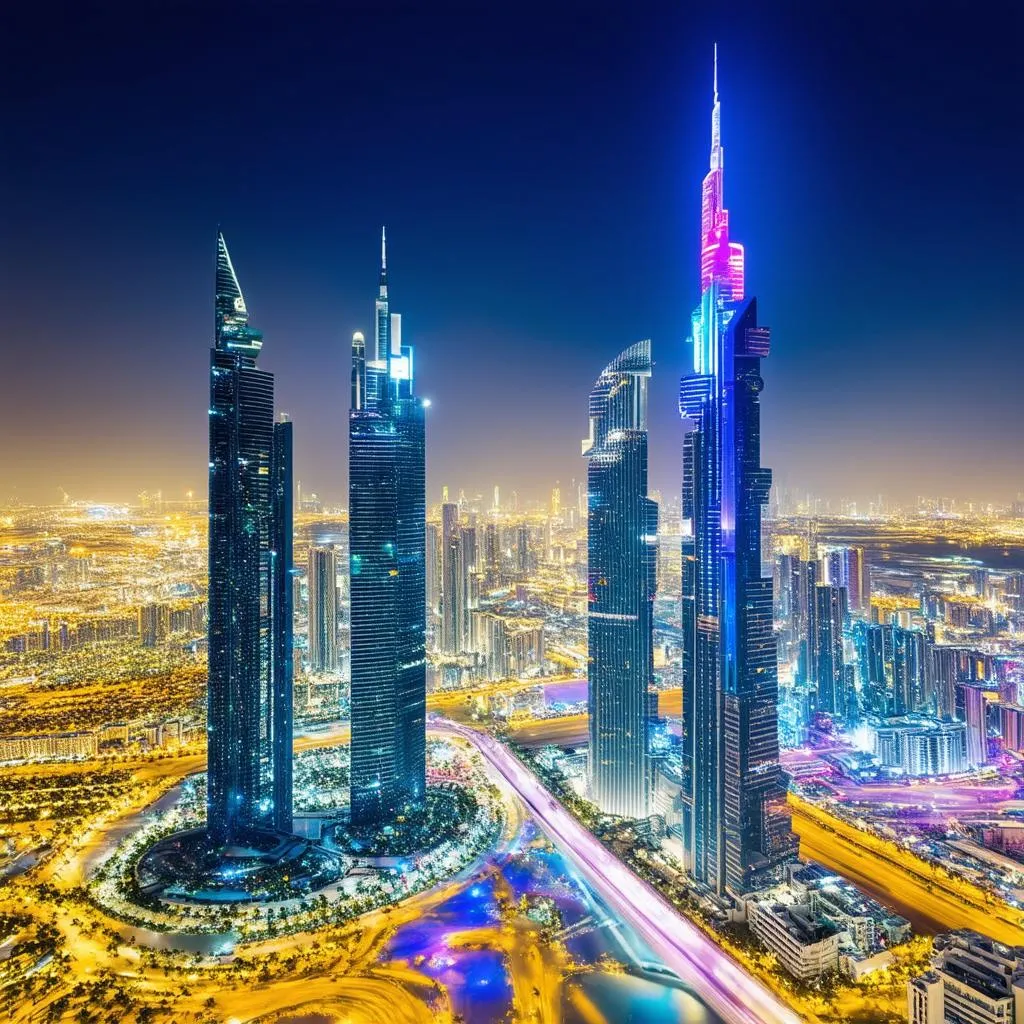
(387, 539)
(249, 713)
(433, 570)
(322, 587)
(830, 673)
(453, 582)
(736, 829)
(622, 552)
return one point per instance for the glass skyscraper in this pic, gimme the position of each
(387, 541)
(249, 712)
(736, 829)
(622, 528)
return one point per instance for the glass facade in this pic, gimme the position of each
(387, 566)
(249, 704)
(736, 829)
(622, 528)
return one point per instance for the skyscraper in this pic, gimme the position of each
(453, 582)
(322, 587)
(736, 829)
(830, 674)
(387, 538)
(622, 553)
(249, 707)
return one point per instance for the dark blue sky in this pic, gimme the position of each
(539, 170)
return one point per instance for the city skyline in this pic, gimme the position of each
(632, 734)
(800, 132)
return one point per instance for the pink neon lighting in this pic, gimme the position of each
(721, 261)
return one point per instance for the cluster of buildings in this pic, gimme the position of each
(931, 698)
(84, 744)
(734, 828)
(817, 923)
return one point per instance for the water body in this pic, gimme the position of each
(887, 547)
(478, 979)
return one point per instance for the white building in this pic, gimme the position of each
(806, 947)
(973, 981)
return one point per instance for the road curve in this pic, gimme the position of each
(714, 976)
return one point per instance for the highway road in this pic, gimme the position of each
(684, 948)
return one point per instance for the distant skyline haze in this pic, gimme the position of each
(539, 173)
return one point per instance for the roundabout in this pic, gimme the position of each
(165, 878)
(185, 867)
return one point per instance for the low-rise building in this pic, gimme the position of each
(973, 980)
(806, 946)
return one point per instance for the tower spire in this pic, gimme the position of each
(383, 261)
(716, 121)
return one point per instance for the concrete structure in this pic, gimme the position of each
(806, 946)
(973, 981)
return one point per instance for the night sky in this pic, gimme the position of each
(538, 169)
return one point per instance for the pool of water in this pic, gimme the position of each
(478, 979)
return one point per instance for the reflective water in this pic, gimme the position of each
(594, 987)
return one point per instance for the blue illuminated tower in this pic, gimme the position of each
(622, 527)
(249, 705)
(387, 546)
(736, 828)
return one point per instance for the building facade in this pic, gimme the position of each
(249, 706)
(322, 592)
(622, 551)
(387, 566)
(973, 980)
(736, 828)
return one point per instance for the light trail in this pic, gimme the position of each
(684, 948)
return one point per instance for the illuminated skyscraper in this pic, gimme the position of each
(736, 828)
(249, 707)
(322, 588)
(453, 582)
(830, 675)
(721, 261)
(622, 554)
(387, 538)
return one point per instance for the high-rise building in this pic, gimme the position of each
(736, 828)
(830, 676)
(387, 540)
(524, 560)
(453, 582)
(492, 553)
(249, 708)
(433, 570)
(622, 553)
(322, 587)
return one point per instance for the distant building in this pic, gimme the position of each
(1011, 727)
(830, 674)
(454, 573)
(919, 747)
(972, 710)
(55, 746)
(322, 588)
(154, 624)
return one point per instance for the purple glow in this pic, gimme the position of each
(721, 261)
(684, 949)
